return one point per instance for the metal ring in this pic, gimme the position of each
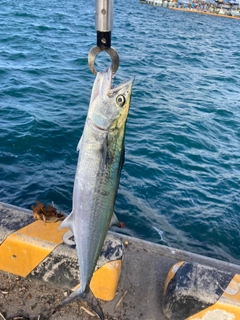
(68, 238)
(112, 53)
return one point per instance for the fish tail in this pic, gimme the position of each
(93, 303)
(86, 296)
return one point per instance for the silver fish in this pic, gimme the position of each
(101, 155)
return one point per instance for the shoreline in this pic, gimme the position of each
(204, 12)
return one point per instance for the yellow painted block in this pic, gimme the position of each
(217, 311)
(172, 273)
(24, 249)
(227, 307)
(48, 232)
(104, 281)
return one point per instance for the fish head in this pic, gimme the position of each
(109, 106)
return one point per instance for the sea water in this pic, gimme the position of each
(180, 181)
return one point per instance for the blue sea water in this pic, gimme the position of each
(181, 177)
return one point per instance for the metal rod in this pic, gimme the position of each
(104, 15)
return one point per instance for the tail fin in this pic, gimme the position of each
(86, 296)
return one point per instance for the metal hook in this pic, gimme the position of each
(110, 51)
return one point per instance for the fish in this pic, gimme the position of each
(100, 160)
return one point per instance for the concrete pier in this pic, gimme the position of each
(140, 289)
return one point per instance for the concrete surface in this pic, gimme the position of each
(145, 268)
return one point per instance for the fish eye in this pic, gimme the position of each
(120, 100)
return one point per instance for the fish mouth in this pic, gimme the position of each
(104, 80)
